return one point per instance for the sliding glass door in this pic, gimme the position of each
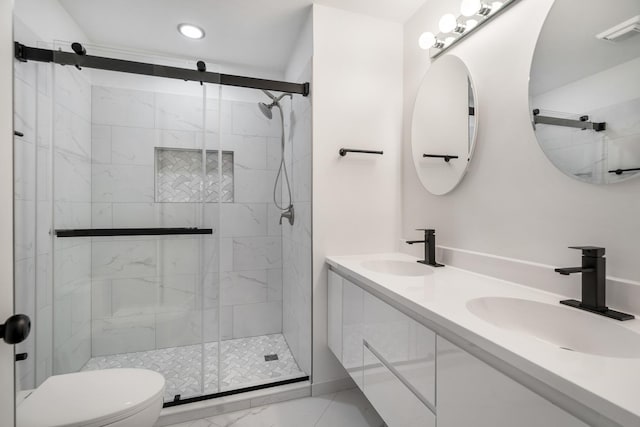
(155, 228)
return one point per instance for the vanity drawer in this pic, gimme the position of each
(406, 345)
(392, 397)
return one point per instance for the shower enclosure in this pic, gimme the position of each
(152, 230)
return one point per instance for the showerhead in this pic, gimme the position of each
(266, 109)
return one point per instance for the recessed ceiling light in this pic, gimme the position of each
(191, 31)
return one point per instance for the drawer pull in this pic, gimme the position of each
(399, 376)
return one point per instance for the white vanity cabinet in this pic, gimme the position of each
(346, 318)
(389, 356)
(396, 361)
(405, 345)
(472, 393)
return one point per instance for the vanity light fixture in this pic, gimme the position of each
(473, 14)
(191, 31)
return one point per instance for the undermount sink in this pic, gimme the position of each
(565, 327)
(397, 268)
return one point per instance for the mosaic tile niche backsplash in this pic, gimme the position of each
(179, 176)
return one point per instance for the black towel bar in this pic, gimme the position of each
(343, 151)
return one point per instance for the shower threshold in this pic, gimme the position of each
(243, 365)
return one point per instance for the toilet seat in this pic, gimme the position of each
(91, 398)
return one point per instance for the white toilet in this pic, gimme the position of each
(109, 397)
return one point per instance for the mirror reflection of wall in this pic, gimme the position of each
(585, 89)
(444, 125)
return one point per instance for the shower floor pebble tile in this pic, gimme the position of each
(344, 409)
(243, 364)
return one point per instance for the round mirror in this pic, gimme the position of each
(584, 90)
(443, 131)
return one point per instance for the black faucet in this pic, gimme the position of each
(429, 247)
(593, 283)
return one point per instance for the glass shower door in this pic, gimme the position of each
(254, 351)
(129, 163)
(158, 241)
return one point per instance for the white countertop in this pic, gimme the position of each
(608, 385)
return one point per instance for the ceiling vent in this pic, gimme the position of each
(622, 31)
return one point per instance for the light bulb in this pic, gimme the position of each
(447, 23)
(470, 7)
(471, 24)
(427, 40)
(495, 6)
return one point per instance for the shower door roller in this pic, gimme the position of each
(16, 329)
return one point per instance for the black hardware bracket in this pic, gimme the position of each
(583, 123)
(106, 232)
(343, 151)
(25, 53)
(446, 157)
(16, 133)
(621, 171)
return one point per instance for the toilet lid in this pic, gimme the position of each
(90, 398)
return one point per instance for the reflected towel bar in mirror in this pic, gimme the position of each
(446, 157)
(107, 232)
(343, 151)
(583, 123)
(621, 171)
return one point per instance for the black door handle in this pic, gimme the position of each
(16, 329)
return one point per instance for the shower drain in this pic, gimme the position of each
(270, 357)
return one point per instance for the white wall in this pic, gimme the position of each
(357, 103)
(6, 207)
(49, 20)
(513, 202)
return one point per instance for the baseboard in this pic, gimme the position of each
(237, 402)
(333, 386)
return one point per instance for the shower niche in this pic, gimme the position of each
(191, 273)
(179, 177)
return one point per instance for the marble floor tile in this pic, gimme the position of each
(243, 365)
(344, 409)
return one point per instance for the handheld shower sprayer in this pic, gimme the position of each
(287, 210)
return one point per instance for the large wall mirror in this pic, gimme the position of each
(584, 90)
(443, 131)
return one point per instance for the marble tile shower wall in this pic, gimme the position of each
(71, 209)
(296, 239)
(146, 290)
